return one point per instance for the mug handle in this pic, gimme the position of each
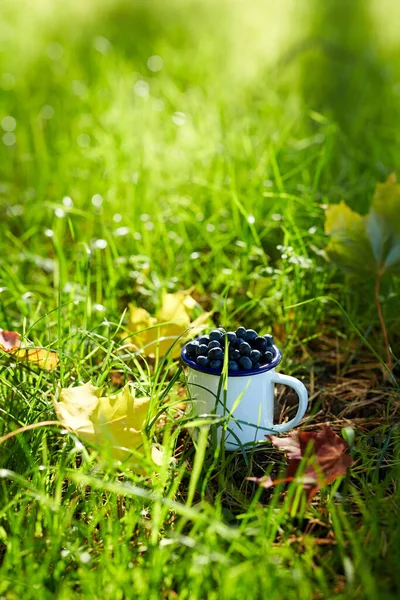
(302, 393)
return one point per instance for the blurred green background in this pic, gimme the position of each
(185, 142)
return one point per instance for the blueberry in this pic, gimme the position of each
(204, 339)
(255, 356)
(222, 330)
(234, 354)
(245, 349)
(256, 365)
(216, 335)
(241, 332)
(233, 366)
(202, 350)
(231, 335)
(269, 338)
(245, 363)
(260, 344)
(202, 361)
(191, 348)
(216, 354)
(216, 364)
(250, 335)
(267, 357)
(234, 342)
(214, 344)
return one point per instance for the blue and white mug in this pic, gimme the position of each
(248, 400)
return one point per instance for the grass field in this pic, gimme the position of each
(194, 145)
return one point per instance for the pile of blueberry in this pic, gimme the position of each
(247, 350)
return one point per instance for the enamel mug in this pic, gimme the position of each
(248, 401)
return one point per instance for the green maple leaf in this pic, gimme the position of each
(383, 225)
(349, 246)
(366, 246)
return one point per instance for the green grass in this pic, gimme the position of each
(285, 109)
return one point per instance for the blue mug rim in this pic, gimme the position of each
(241, 373)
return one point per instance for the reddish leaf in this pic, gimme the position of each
(9, 340)
(321, 455)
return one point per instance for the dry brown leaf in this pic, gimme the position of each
(315, 459)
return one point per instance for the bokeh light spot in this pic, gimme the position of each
(9, 139)
(179, 118)
(67, 202)
(101, 44)
(55, 51)
(97, 200)
(141, 88)
(47, 112)
(8, 123)
(155, 63)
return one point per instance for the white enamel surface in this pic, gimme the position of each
(255, 409)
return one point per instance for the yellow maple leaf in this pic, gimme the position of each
(172, 321)
(10, 341)
(115, 423)
(39, 356)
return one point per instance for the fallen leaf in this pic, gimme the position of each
(176, 307)
(115, 423)
(10, 341)
(40, 356)
(117, 378)
(172, 321)
(315, 459)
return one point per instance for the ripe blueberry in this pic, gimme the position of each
(250, 335)
(214, 344)
(216, 364)
(269, 338)
(216, 335)
(216, 354)
(191, 349)
(268, 356)
(245, 363)
(202, 350)
(233, 366)
(202, 361)
(234, 354)
(241, 332)
(245, 349)
(204, 339)
(255, 356)
(260, 344)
